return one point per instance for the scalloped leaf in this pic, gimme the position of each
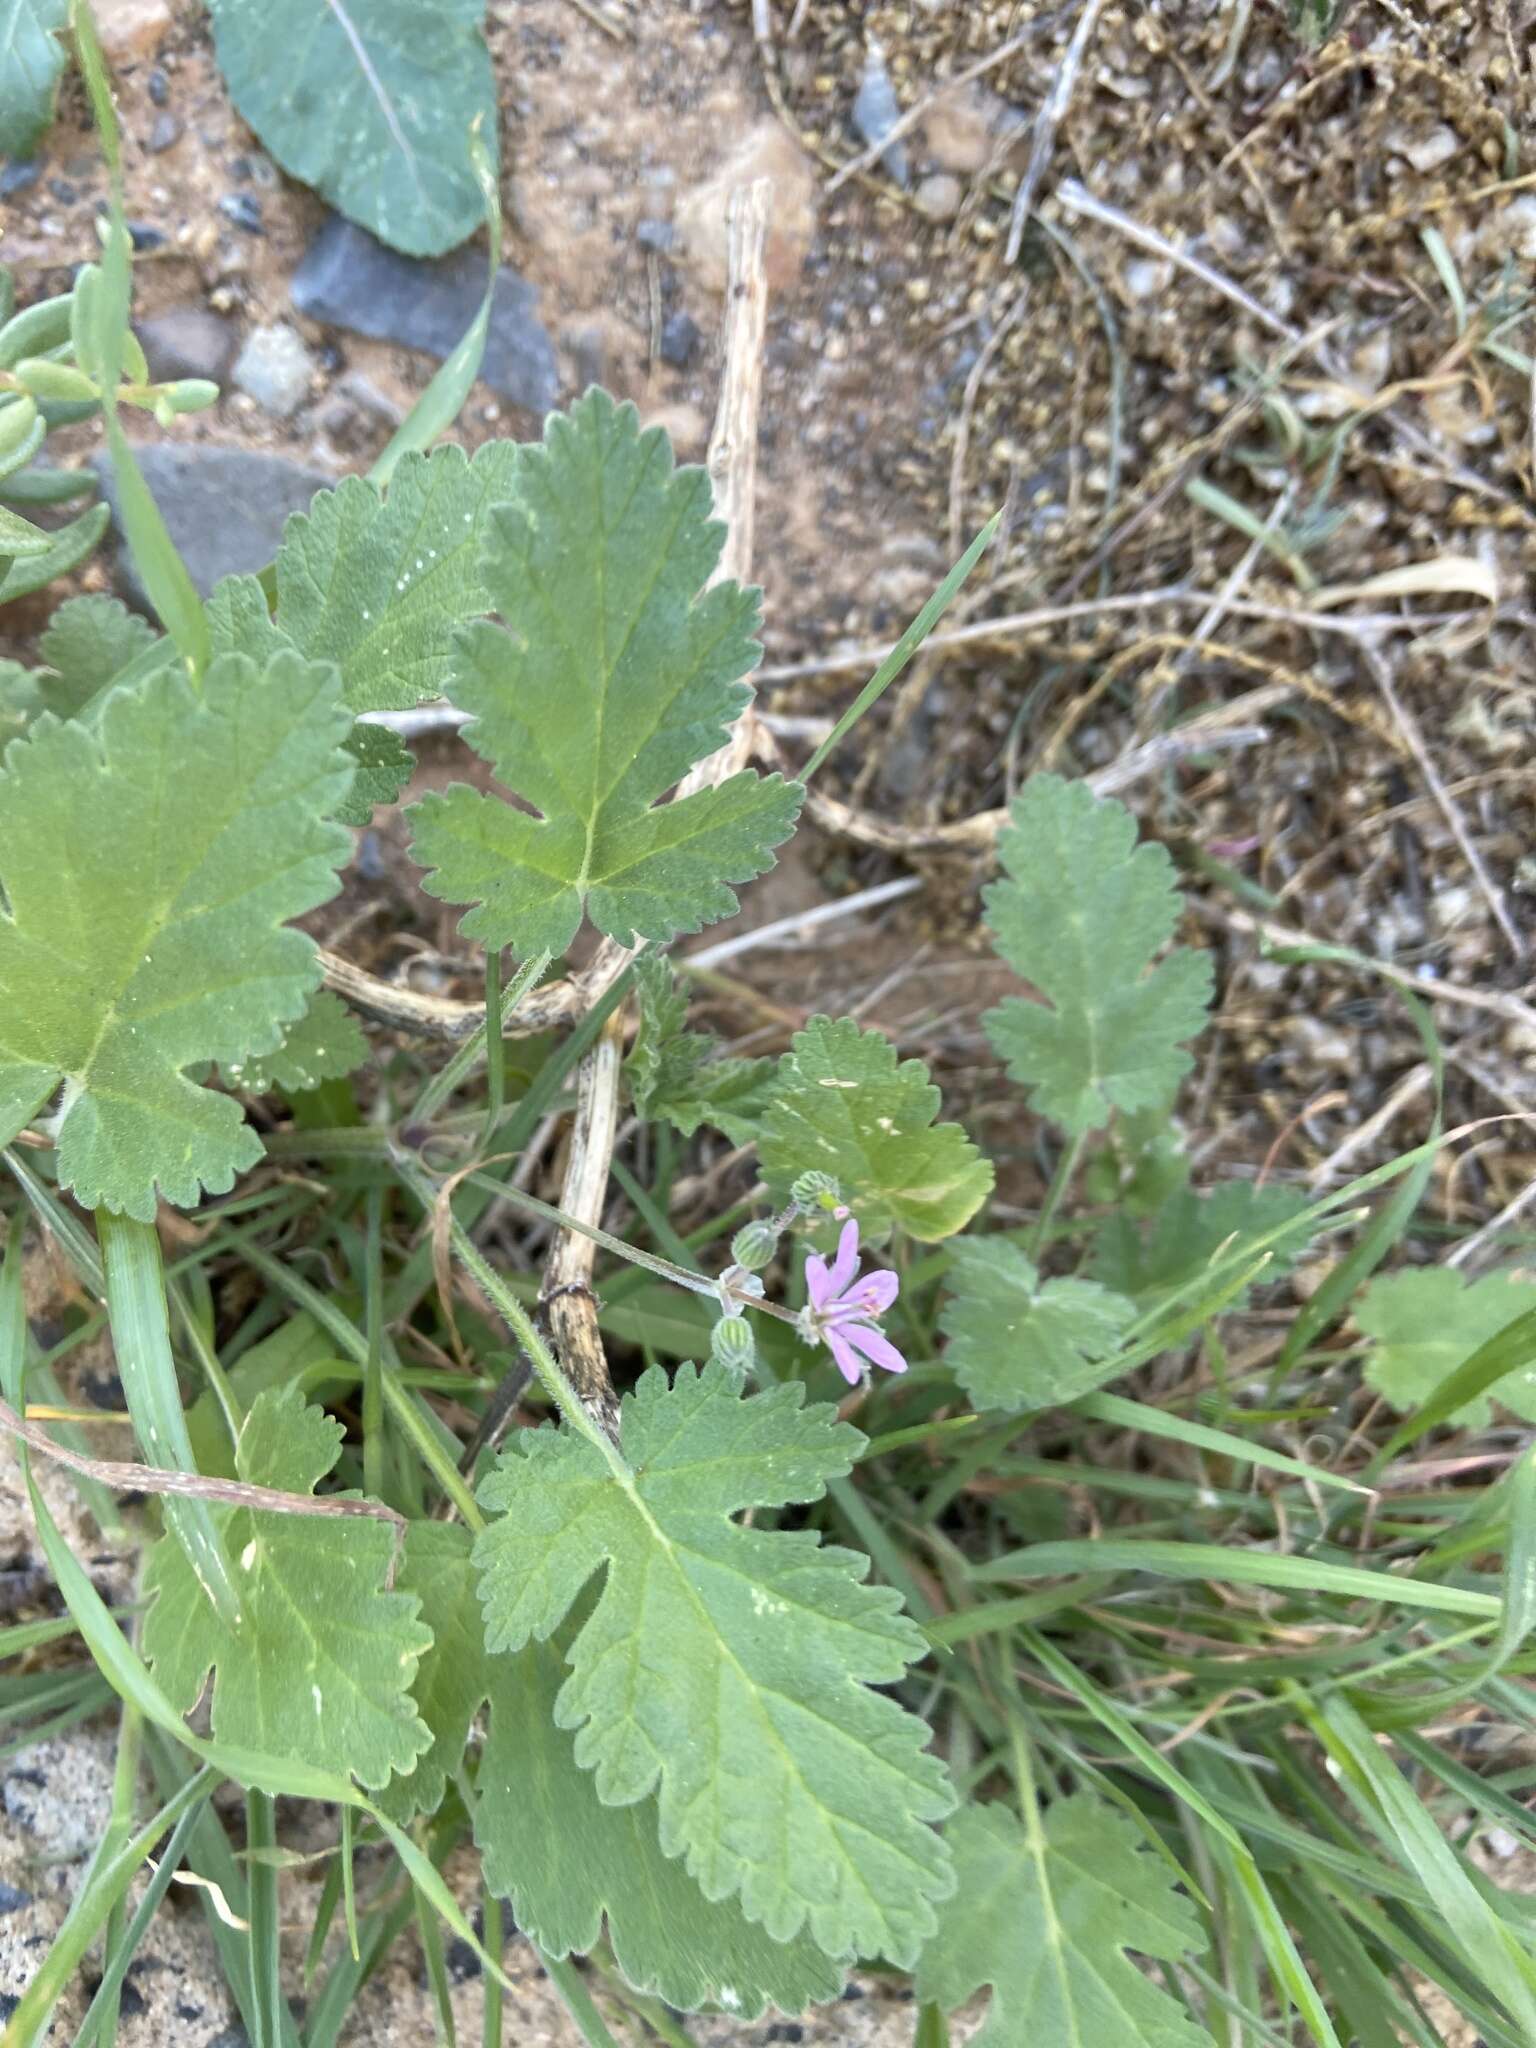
(88, 644)
(1423, 1324)
(195, 831)
(322, 1663)
(728, 1669)
(1018, 1342)
(841, 1103)
(1081, 913)
(614, 672)
(1187, 1231)
(1046, 1920)
(677, 1073)
(324, 1044)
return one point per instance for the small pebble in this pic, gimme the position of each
(274, 368)
(656, 235)
(143, 236)
(877, 110)
(17, 177)
(940, 195)
(158, 86)
(165, 134)
(62, 190)
(244, 210)
(680, 338)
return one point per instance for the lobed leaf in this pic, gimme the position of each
(728, 1669)
(1046, 1919)
(677, 1074)
(322, 1045)
(1018, 1342)
(372, 105)
(615, 672)
(1425, 1323)
(90, 641)
(841, 1103)
(1188, 1231)
(193, 828)
(321, 1666)
(1081, 913)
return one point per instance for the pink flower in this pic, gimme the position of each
(843, 1310)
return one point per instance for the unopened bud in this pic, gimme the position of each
(816, 1191)
(754, 1245)
(730, 1346)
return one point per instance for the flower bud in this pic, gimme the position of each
(816, 1191)
(754, 1245)
(730, 1345)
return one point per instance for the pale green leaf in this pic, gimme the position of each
(372, 104)
(1047, 1923)
(88, 644)
(1080, 915)
(1425, 1323)
(322, 1045)
(194, 829)
(321, 1666)
(1018, 1342)
(677, 1074)
(614, 672)
(67, 548)
(384, 765)
(729, 1669)
(841, 1103)
(567, 1862)
(31, 59)
(20, 540)
(21, 699)
(1189, 1231)
(453, 1678)
(378, 583)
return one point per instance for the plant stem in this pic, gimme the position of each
(467, 1058)
(373, 1365)
(1061, 1180)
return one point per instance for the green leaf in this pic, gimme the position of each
(31, 59)
(378, 583)
(21, 699)
(453, 1677)
(1188, 1231)
(728, 1668)
(615, 672)
(194, 829)
(20, 540)
(384, 765)
(1019, 1342)
(675, 1073)
(842, 1103)
(321, 1667)
(89, 642)
(567, 1862)
(372, 105)
(67, 549)
(1080, 915)
(1423, 1324)
(1046, 1920)
(322, 1045)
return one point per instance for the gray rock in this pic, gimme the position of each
(348, 279)
(659, 236)
(679, 342)
(225, 508)
(274, 368)
(165, 134)
(188, 341)
(877, 110)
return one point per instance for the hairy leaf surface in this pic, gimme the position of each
(371, 102)
(676, 1073)
(842, 1103)
(615, 671)
(728, 1669)
(1081, 913)
(1019, 1342)
(322, 1045)
(193, 829)
(1047, 1923)
(31, 59)
(322, 1663)
(88, 644)
(1424, 1324)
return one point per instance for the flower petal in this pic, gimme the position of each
(846, 1264)
(876, 1347)
(818, 1281)
(848, 1362)
(876, 1291)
